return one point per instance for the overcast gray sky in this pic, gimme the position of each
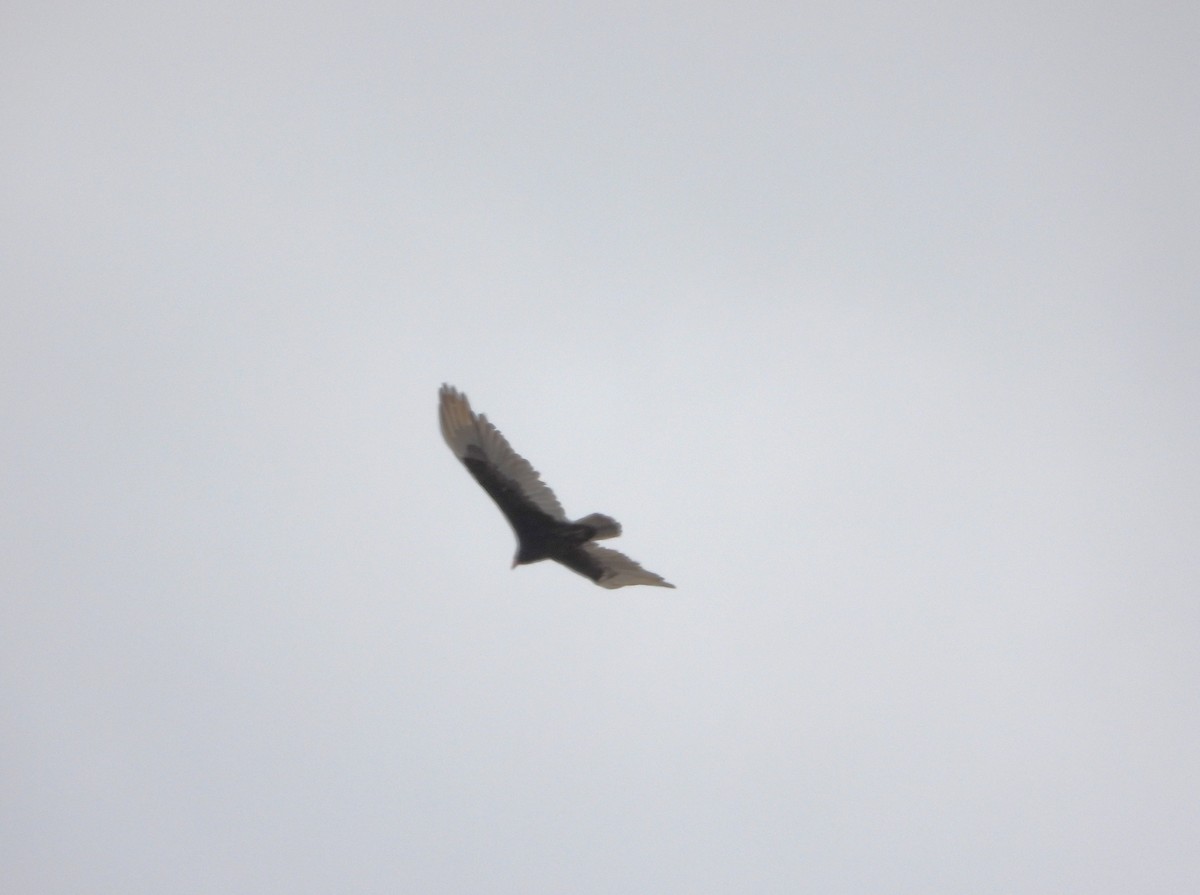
(876, 325)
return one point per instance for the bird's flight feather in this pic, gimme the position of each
(473, 437)
(609, 568)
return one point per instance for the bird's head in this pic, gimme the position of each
(526, 554)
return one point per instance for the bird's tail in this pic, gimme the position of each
(606, 526)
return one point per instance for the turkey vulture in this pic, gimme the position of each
(537, 518)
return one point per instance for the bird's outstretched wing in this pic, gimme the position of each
(608, 568)
(507, 476)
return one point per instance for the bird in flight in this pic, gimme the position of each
(537, 518)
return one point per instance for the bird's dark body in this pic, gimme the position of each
(539, 535)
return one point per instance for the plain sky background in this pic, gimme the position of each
(877, 326)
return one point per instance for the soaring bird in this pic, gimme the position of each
(537, 518)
